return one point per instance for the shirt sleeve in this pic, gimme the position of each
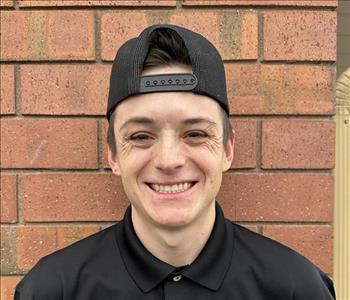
(41, 283)
(314, 284)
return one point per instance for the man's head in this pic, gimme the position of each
(167, 48)
(166, 141)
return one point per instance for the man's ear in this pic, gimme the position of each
(229, 152)
(113, 162)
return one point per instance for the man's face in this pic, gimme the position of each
(170, 154)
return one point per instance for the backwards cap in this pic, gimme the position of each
(208, 77)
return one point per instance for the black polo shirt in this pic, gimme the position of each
(235, 263)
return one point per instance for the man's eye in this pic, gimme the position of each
(140, 137)
(197, 134)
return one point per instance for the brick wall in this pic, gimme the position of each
(56, 186)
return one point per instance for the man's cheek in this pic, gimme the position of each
(126, 148)
(212, 145)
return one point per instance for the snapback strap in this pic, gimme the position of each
(168, 82)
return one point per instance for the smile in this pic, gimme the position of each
(170, 189)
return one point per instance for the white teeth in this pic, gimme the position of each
(174, 188)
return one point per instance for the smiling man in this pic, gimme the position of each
(170, 140)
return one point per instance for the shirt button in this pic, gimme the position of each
(177, 278)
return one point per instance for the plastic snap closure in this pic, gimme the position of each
(177, 278)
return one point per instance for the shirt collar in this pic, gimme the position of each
(208, 269)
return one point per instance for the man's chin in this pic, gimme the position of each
(172, 219)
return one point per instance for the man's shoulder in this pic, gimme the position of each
(275, 264)
(92, 245)
(266, 250)
(60, 269)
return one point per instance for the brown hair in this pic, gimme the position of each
(166, 48)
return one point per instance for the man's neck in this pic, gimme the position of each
(175, 246)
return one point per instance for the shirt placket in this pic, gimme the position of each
(173, 287)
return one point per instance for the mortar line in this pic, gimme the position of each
(242, 171)
(20, 200)
(106, 8)
(259, 145)
(67, 224)
(260, 7)
(57, 62)
(178, 4)
(18, 94)
(286, 224)
(54, 171)
(260, 36)
(282, 117)
(97, 26)
(99, 146)
(109, 8)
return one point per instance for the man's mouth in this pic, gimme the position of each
(171, 188)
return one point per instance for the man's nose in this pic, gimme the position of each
(169, 155)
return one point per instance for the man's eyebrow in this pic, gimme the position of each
(149, 121)
(191, 121)
(138, 120)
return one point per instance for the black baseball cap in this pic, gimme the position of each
(208, 77)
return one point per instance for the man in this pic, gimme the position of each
(170, 140)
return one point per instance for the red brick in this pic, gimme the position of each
(280, 89)
(301, 144)
(233, 33)
(118, 27)
(207, 23)
(45, 143)
(250, 227)
(32, 243)
(35, 242)
(329, 3)
(245, 143)
(7, 3)
(277, 197)
(7, 87)
(8, 285)
(8, 199)
(43, 3)
(73, 197)
(314, 242)
(300, 35)
(14, 40)
(64, 89)
(69, 235)
(43, 35)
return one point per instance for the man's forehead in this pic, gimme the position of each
(180, 104)
(153, 122)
